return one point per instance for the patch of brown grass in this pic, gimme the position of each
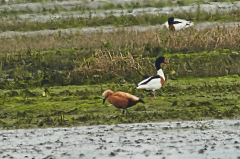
(107, 65)
(148, 43)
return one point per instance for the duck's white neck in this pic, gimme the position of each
(160, 73)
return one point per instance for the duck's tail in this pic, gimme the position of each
(140, 100)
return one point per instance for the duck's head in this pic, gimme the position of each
(160, 60)
(106, 94)
(170, 21)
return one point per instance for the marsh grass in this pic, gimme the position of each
(191, 99)
(123, 20)
(58, 63)
(147, 43)
(72, 22)
(106, 65)
(51, 69)
(113, 4)
(24, 106)
(102, 58)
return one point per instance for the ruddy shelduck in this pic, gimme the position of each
(177, 24)
(121, 100)
(154, 82)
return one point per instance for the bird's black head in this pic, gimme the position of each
(170, 20)
(160, 60)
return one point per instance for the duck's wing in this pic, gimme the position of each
(176, 21)
(123, 100)
(143, 81)
(118, 101)
(126, 95)
(180, 24)
(151, 83)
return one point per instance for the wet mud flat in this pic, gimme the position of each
(186, 140)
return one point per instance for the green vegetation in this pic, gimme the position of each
(182, 99)
(148, 43)
(63, 103)
(102, 58)
(116, 5)
(63, 69)
(57, 80)
(123, 20)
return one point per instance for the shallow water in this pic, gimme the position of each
(187, 140)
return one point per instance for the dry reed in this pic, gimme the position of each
(137, 43)
(102, 58)
(107, 65)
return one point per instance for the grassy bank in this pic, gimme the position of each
(147, 43)
(101, 5)
(101, 58)
(114, 4)
(123, 20)
(182, 99)
(56, 68)
(74, 70)
(70, 100)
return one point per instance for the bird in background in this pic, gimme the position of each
(121, 100)
(155, 82)
(177, 24)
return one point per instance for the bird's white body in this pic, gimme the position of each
(180, 26)
(152, 84)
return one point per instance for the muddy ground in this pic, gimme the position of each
(169, 140)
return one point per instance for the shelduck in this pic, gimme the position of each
(121, 100)
(177, 24)
(154, 82)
